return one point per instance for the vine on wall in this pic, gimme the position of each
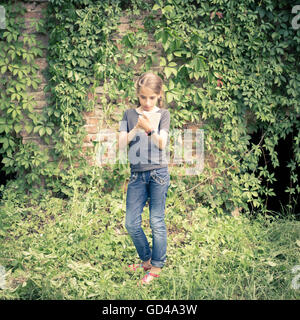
(232, 65)
(18, 51)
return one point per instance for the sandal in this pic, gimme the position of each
(134, 267)
(148, 278)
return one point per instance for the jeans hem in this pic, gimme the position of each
(147, 259)
(157, 264)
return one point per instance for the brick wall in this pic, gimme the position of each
(34, 11)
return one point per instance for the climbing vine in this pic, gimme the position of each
(232, 66)
(251, 82)
(18, 51)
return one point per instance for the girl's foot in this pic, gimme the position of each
(150, 275)
(146, 265)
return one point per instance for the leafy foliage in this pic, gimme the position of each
(79, 249)
(232, 65)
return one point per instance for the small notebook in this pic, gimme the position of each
(154, 119)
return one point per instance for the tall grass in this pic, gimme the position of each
(79, 249)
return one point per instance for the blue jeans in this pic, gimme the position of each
(152, 184)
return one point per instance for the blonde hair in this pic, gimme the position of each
(153, 82)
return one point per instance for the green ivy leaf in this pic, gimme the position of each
(169, 97)
(17, 127)
(168, 71)
(156, 7)
(3, 69)
(163, 62)
(28, 128)
(42, 131)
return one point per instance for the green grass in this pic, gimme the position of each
(79, 249)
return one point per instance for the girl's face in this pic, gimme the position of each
(148, 98)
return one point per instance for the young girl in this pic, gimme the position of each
(150, 177)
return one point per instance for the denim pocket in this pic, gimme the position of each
(160, 176)
(133, 177)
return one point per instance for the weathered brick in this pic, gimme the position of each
(122, 28)
(98, 112)
(40, 104)
(39, 95)
(86, 146)
(124, 19)
(41, 63)
(99, 99)
(35, 139)
(99, 90)
(34, 14)
(137, 24)
(40, 76)
(27, 26)
(91, 129)
(44, 39)
(38, 110)
(87, 114)
(36, 5)
(90, 137)
(30, 6)
(91, 120)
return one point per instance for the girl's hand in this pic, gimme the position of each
(144, 123)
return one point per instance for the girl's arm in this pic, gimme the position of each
(126, 137)
(160, 139)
